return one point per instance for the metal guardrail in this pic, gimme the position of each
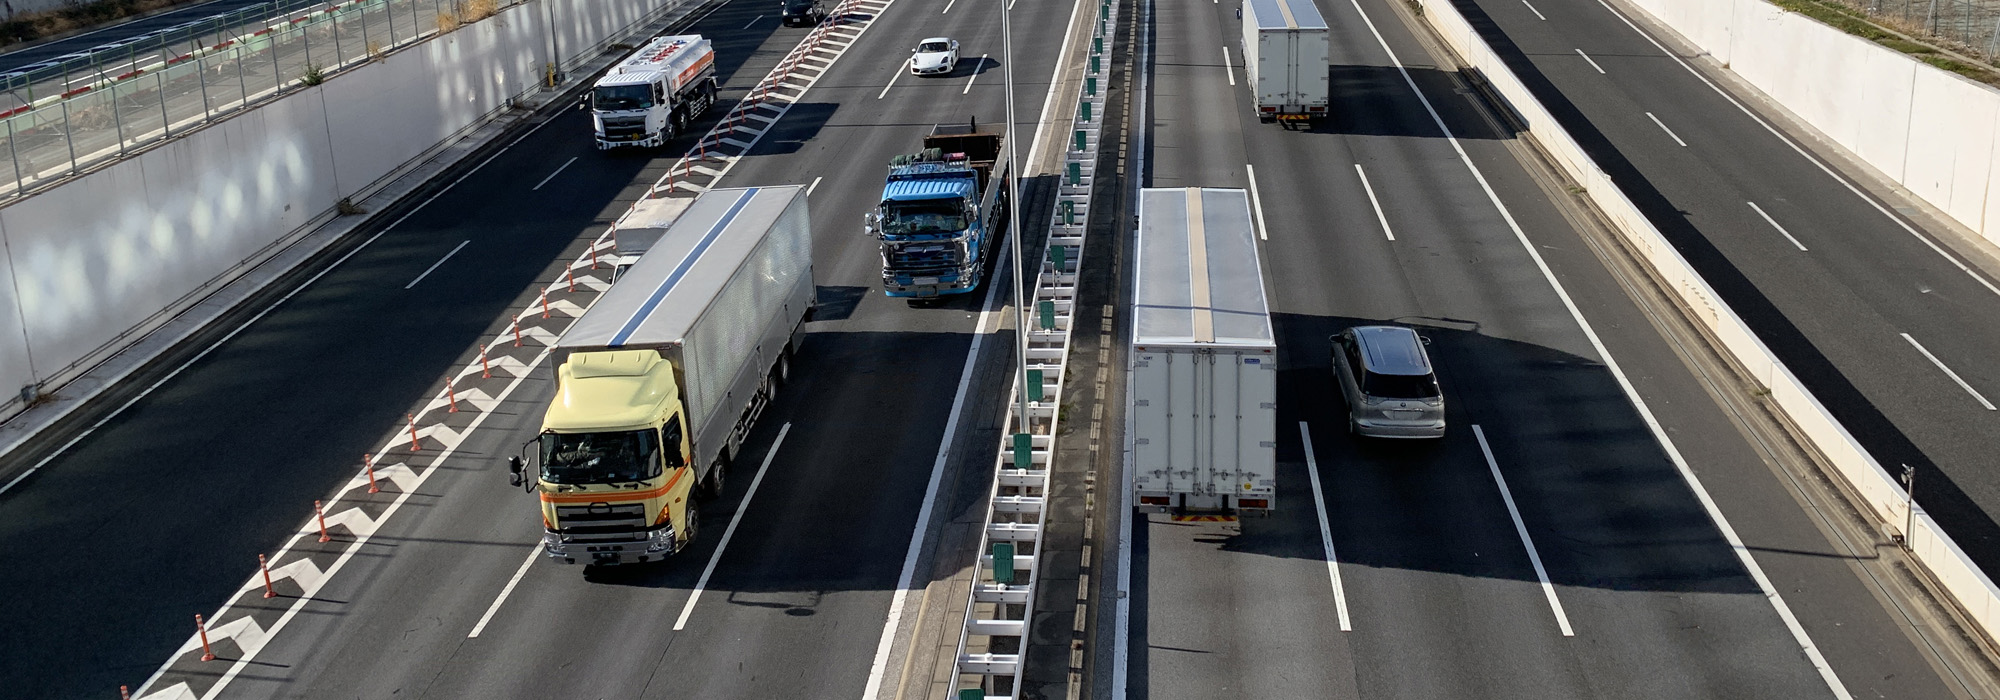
(68, 114)
(993, 639)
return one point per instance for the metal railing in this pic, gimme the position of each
(68, 114)
(1973, 25)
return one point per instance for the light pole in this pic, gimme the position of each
(1023, 443)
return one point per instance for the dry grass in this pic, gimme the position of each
(449, 22)
(1854, 21)
(475, 10)
(29, 26)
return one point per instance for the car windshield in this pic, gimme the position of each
(620, 97)
(923, 216)
(600, 458)
(1400, 386)
(798, 5)
(933, 47)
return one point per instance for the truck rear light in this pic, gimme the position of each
(1269, 109)
(1315, 109)
(1154, 501)
(1253, 503)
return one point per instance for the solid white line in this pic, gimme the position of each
(879, 668)
(1663, 127)
(892, 79)
(1325, 531)
(434, 266)
(261, 314)
(1370, 189)
(947, 6)
(1531, 8)
(1714, 511)
(1947, 371)
(553, 175)
(533, 554)
(1521, 529)
(753, 20)
(1593, 64)
(1228, 68)
(1935, 248)
(1256, 202)
(741, 508)
(1121, 609)
(975, 75)
(1774, 224)
(811, 187)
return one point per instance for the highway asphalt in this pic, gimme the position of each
(225, 459)
(1840, 293)
(1645, 594)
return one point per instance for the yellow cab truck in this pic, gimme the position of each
(660, 381)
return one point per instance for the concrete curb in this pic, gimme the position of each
(1879, 492)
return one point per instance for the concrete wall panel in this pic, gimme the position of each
(1928, 170)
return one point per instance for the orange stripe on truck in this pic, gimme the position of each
(616, 496)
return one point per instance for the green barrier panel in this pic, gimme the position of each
(1093, 64)
(1084, 110)
(1003, 562)
(1096, 45)
(1090, 86)
(1022, 456)
(1068, 209)
(1034, 385)
(1079, 139)
(971, 694)
(1060, 256)
(1075, 173)
(1104, 11)
(1047, 311)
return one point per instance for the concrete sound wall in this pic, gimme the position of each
(92, 264)
(1927, 129)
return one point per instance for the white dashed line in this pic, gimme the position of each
(753, 20)
(975, 74)
(1593, 64)
(1227, 67)
(1774, 224)
(1531, 8)
(1325, 531)
(1370, 189)
(1947, 372)
(553, 175)
(1256, 202)
(741, 508)
(533, 554)
(1520, 528)
(1663, 127)
(892, 79)
(434, 266)
(813, 186)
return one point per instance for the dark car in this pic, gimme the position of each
(801, 13)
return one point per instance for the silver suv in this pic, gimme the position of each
(1387, 379)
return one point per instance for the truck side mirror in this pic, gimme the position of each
(514, 468)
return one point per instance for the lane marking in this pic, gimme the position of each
(434, 266)
(1370, 189)
(533, 554)
(811, 187)
(900, 69)
(1228, 68)
(1935, 248)
(947, 6)
(1593, 64)
(1774, 224)
(1947, 371)
(753, 20)
(260, 316)
(741, 508)
(1663, 127)
(1771, 595)
(553, 175)
(1256, 202)
(878, 668)
(1521, 528)
(1325, 531)
(1531, 8)
(975, 75)
(1121, 607)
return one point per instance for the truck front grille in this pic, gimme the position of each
(597, 520)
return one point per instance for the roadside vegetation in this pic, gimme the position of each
(73, 16)
(1854, 21)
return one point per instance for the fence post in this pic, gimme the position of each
(167, 120)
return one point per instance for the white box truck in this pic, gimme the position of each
(660, 381)
(1202, 409)
(1285, 57)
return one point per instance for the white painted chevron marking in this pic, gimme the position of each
(705, 170)
(736, 143)
(177, 691)
(398, 474)
(441, 433)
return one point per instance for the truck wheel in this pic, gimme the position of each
(693, 529)
(782, 374)
(712, 486)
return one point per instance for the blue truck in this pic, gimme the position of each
(942, 210)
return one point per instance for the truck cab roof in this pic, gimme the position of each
(611, 390)
(945, 181)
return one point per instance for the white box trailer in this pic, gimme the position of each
(1202, 409)
(722, 295)
(1285, 56)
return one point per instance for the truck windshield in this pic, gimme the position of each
(923, 216)
(621, 97)
(600, 458)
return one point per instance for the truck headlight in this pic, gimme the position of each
(661, 540)
(555, 543)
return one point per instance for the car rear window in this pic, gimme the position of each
(1400, 386)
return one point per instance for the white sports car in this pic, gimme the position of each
(934, 56)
